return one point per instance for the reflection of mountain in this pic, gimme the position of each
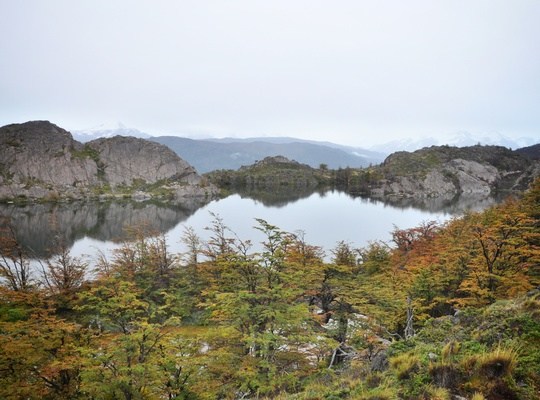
(450, 204)
(37, 224)
(279, 197)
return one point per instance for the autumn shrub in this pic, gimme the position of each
(13, 313)
(436, 330)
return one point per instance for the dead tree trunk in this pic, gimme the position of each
(409, 329)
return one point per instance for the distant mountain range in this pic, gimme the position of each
(231, 153)
(460, 139)
(87, 135)
(214, 154)
(532, 152)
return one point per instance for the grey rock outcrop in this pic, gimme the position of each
(39, 152)
(124, 160)
(39, 160)
(444, 170)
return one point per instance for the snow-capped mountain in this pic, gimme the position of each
(102, 131)
(460, 139)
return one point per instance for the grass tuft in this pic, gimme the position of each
(499, 363)
(404, 365)
(445, 375)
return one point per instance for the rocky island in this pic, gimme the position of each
(41, 161)
(432, 172)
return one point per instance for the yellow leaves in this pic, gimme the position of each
(39, 355)
(472, 260)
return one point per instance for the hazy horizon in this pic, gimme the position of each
(355, 73)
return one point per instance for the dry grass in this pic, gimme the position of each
(498, 363)
(450, 349)
(478, 396)
(437, 393)
(405, 365)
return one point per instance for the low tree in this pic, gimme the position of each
(63, 274)
(15, 268)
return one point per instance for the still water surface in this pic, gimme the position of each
(324, 218)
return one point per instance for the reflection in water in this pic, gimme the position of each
(279, 196)
(448, 204)
(36, 224)
(343, 217)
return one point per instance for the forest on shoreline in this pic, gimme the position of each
(445, 310)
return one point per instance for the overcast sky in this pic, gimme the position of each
(353, 72)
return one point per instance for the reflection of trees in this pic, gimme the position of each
(37, 224)
(278, 197)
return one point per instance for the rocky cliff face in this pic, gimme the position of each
(124, 160)
(442, 170)
(38, 156)
(39, 160)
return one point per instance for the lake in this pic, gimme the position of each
(324, 218)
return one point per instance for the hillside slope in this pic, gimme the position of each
(532, 152)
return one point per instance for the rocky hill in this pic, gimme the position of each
(439, 170)
(39, 160)
(271, 174)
